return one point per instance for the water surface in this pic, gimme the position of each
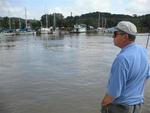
(57, 74)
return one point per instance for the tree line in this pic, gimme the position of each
(95, 19)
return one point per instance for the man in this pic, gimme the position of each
(130, 70)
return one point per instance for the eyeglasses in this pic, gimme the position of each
(117, 33)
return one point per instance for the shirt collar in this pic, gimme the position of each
(127, 46)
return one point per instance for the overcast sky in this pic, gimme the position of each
(36, 8)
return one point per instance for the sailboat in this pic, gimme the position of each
(79, 28)
(8, 32)
(56, 30)
(103, 25)
(45, 30)
(27, 30)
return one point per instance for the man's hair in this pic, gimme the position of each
(131, 37)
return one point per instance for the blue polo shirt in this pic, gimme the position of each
(129, 71)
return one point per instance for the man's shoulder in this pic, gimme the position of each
(121, 56)
(119, 60)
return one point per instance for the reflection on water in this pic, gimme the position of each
(56, 74)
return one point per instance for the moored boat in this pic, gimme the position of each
(79, 28)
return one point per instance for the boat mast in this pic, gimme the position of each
(25, 18)
(41, 23)
(102, 22)
(9, 23)
(54, 22)
(46, 21)
(105, 22)
(19, 24)
(99, 19)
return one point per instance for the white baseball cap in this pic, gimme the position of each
(126, 27)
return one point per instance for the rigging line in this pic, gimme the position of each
(147, 41)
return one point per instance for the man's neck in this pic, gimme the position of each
(129, 42)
